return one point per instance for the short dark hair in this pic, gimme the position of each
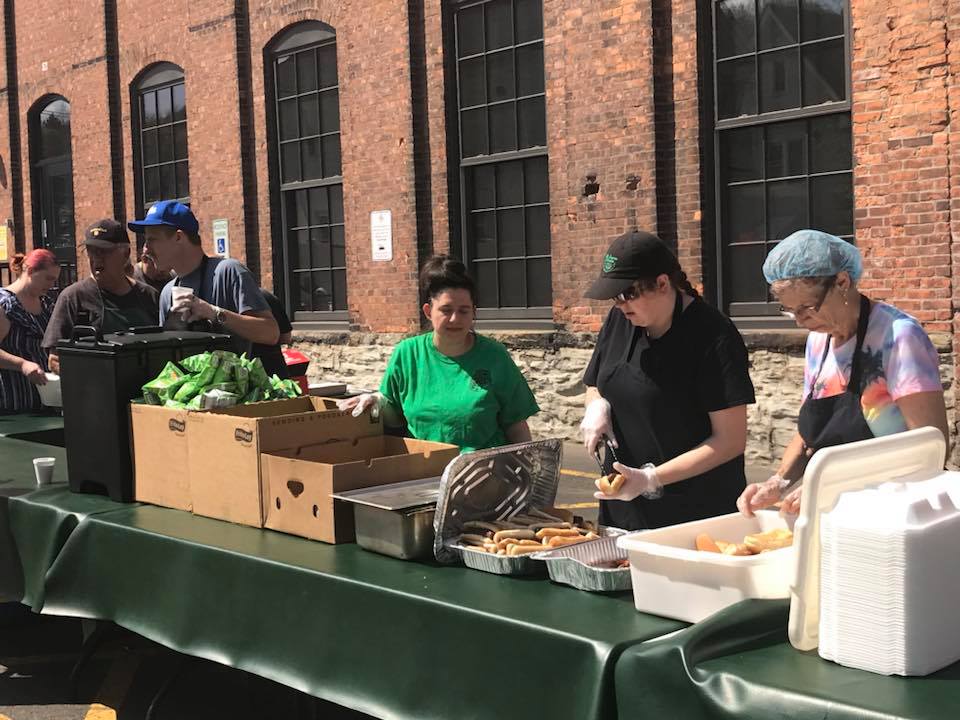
(443, 272)
(194, 238)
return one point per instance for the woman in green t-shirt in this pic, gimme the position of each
(452, 385)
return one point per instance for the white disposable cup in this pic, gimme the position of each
(43, 469)
(178, 292)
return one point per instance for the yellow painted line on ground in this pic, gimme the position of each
(114, 689)
(579, 473)
(576, 506)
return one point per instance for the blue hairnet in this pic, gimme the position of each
(811, 253)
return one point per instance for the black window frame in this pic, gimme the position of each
(761, 315)
(151, 80)
(308, 36)
(527, 315)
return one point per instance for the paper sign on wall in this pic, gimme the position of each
(221, 238)
(381, 234)
(3, 244)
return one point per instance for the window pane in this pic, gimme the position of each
(535, 182)
(309, 116)
(303, 248)
(472, 82)
(165, 143)
(306, 71)
(831, 204)
(286, 76)
(164, 106)
(330, 111)
(745, 279)
(482, 189)
(470, 31)
(735, 28)
(303, 287)
(512, 284)
(823, 73)
(149, 118)
(289, 125)
(499, 24)
(736, 88)
(336, 203)
(319, 210)
(294, 252)
(533, 122)
(327, 62)
(331, 155)
(290, 161)
(530, 69)
(168, 182)
(510, 183)
(778, 23)
(539, 283)
(786, 149)
(483, 234)
(179, 102)
(150, 147)
(486, 277)
(529, 19)
(311, 168)
(320, 247)
(151, 184)
(500, 82)
(338, 246)
(830, 143)
(510, 232)
(473, 132)
(743, 219)
(339, 289)
(537, 230)
(322, 291)
(299, 214)
(821, 18)
(183, 179)
(779, 80)
(180, 141)
(786, 208)
(741, 154)
(502, 128)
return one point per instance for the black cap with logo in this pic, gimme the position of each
(106, 233)
(632, 256)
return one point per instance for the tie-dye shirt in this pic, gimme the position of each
(897, 359)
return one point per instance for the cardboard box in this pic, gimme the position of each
(224, 449)
(301, 481)
(160, 469)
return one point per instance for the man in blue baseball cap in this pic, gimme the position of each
(225, 294)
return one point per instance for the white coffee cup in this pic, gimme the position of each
(178, 292)
(43, 469)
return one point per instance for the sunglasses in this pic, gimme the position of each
(627, 295)
(811, 309)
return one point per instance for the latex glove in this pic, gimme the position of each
(193, 308)
(595, 424)
(757, 496)
(791, 503)
(359, 403)
(33, 372)
(637, 481)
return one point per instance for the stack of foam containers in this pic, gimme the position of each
(889, 589)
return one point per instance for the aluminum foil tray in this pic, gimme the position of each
(571, 565)
(491, 485)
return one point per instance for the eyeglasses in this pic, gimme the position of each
(808, 309)
(627, 295)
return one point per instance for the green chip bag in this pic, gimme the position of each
(188, 390)
(196, 363)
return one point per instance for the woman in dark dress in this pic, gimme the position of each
(25, 311)
(668, 385)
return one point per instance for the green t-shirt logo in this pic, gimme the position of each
(481, 378)
(609, 263)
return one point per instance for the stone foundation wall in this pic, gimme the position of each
(553, 364)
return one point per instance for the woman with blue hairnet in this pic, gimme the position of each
(870, 368)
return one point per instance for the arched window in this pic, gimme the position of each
(304, 94)
(51, 178)
(161, 164)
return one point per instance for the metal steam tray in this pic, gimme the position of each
(574, 565)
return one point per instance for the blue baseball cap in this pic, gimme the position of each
(170, 213)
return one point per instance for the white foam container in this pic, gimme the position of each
(673, 579)
(50, 393)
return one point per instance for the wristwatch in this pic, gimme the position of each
(219, 315)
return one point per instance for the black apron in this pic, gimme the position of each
(648, 391)
(837, 419)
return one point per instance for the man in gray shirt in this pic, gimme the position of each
(225, 295)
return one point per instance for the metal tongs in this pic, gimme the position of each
(610, 448)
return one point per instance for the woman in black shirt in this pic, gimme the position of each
(668, 385)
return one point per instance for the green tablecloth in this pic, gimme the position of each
(739, 664)
(36, 427)
(391, 638)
